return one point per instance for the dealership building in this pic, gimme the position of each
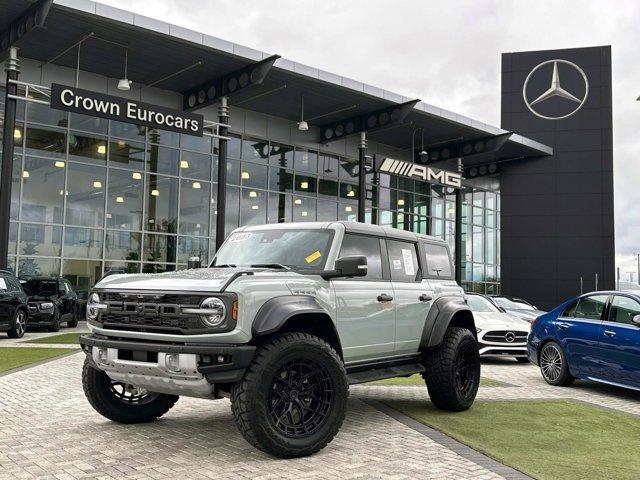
(135, 144)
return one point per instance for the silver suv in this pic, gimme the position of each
(284, 319)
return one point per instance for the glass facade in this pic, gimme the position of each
(90, 195)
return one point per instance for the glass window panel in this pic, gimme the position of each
(280, 180)
(367, 246)
(128, 130)
(306, 160)
(42, 190)
(451, 210)
(437, 191)
(305, 184)
(304, 209)
(38, 267)
(255, 150)
(232, 218)
(491, 200)
(252, 205)
(328, 165)
(478, 199)
(193, 247)
(623, 310)
(124, 267)
(85, 195)
(328, 188)
(195, 165)
(403, 260)
(164, 137)
(87, 123)
(18, 137)
(437, 207)
(348, 192)
(423, 188)
(159, 248)
(198, 144)
(38, 239)
(124, 200)
(478, 245)
(253, 175)
(162, 204)
(157, 268)
(121, 245)
(126, 154)
(281, 155)
(39, 113)
(421, 224)
(347, 213)
(327, 210)
(421, 204)
(87, 149)
(477, 215)
(163, 160)
(82, 242)
(349, 168)
(16, 182)
(83, 275)
(46, 143)
(403, 201)
(406, 184)
(279, 208)
(234, 145)
(491, 218)
(233, 172)
(491, 246)
(13, 238)
(478, 272)
(437, 228)
(195, 198)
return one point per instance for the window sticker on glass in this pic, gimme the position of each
(313, 257)
(3, 285)
(408, 262)
(240, 237)
(397, 264)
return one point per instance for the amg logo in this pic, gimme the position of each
(427, 174)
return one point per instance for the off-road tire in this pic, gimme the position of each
(96, 385)
(17, 331)
(564, 377)
(443, 365)
(253, 410)
(55, 322)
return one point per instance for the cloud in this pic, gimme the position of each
(444, 52)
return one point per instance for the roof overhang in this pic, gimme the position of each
(157, 49)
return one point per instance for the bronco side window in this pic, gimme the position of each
(403, 261)
(367, 246)
(438, 263)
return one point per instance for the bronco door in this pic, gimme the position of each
(365, 307)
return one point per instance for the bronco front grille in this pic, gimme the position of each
(505, 336)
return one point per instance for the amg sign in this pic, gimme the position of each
(421, 172)
(123, 110)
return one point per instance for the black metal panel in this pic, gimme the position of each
(33, 17)
(371, 121)
(232, 83)
(468, 148)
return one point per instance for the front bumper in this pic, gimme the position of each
(487, 349)
(40, 318)
(180, 369)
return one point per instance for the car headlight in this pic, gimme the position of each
(212, 311)
(46, 305)
(94, 306)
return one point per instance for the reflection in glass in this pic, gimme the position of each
(38, 239)
(233, 147)
(39, 113)
(193, 247)
(304, 209)
(328, 165)
(255, 150)
(349, 168)
(197, 144)
(121, 245)
(128, 130)
(82, 242)
(124, 200)
(87, 149)
(279, 208)
(38, 267)
(195, 165)
(305, 184)
(327, 210)
(281, 155)
(164, 137)
(157, 268)
(163, 160)
(83, 275)
(16, 181)
(46, 143)
(85, 195)
(280, 180)
(126, 154)
(123, 267)
(89, 124)
(159, 248)
(253, 175)
(253, 207)
(42, 190)
(195, 198)
(162, 204)
(306, 160)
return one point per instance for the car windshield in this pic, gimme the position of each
(509, 304)
(40, 287)
(480, 304)
(297, 249)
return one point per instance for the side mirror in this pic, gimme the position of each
(636, 320)
(353, 266)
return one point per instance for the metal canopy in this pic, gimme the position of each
(157, 49)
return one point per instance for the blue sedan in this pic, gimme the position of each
(595, 336)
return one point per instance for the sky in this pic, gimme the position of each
(445, 52)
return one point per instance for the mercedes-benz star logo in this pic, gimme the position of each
(510, 337)
(572, 101)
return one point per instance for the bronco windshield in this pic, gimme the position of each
(297, 249)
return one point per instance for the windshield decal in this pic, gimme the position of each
(240, 237)
(313, 257)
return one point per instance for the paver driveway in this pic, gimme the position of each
(47, 429)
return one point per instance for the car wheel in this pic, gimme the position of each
(452, 371)
(293, 397)
(121, 402)
(55, 323)
(553, 365)
(19, 326)
(74, 320)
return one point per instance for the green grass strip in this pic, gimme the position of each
(14, 357)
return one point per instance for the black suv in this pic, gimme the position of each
(13, 306)
(52, 301)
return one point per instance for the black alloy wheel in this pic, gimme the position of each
(466, 371)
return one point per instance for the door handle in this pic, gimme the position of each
(425, 298)
(609, 333)
(563, 326)
(383, 297)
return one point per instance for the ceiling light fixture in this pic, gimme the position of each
(253, 194)
(255, 207)
(297, 201)
(303, 214)
(184, 164)
(97, 184)
(351, 193)
(155, 192)
(59, 164)
(302, 125)
(124, 84)
(25, 174)
(17, 134)
(348, 208)
(401, 202)
(119, 199)
(102, 149)
(196, 185)
(245, 176)
(136, 175)
(304, 185)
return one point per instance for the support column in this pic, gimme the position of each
(459, 254)
(6, 173)
(362, 175)
(221, 202)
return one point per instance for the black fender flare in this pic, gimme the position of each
(439, 318)
(275, 312)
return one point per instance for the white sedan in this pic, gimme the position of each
(498, 333)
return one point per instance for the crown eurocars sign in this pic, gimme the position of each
(420, 172)
(125, 110)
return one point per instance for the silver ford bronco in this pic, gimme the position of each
(284, 319)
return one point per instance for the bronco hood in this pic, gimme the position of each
(201, 279)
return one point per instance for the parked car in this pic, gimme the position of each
(517, 307)
(498, 333)
(284, 319)
(52, 301)
(595, 336)
(13, 306)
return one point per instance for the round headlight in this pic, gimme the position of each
(215, 311)
(92, 306)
